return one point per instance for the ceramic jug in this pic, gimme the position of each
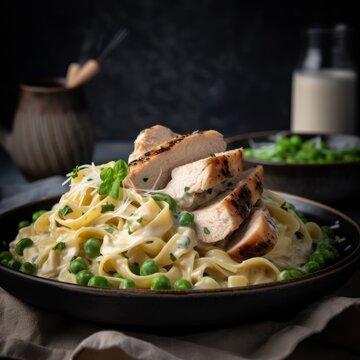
(52, 132)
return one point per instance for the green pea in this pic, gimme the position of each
(99, 281)
(149, 267)
(134, 267)
(348, 157)
(318, 257)
(277, 158)
(248, 152)
(296, 140)
(284, 275)
(160, 282)
(330, 157)
(28, 268)
(301, 155)
(262, 155)
(92, 247)
(291, 160)
(283, 143)
(37, 214)
(22, 244)
(326, 243)
(183, 284)
(311, 267)
(294, 149)
(186, 219)
(127, 284)
(330, 254)
(117, 275)
(14, 264)
(83, 277)
(77, 265)
(295, 273)
(23, 223)
(327, 231)
(5, 255)
(323, 244)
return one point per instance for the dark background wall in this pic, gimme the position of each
(186, 64)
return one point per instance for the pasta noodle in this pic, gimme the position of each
(136, 227)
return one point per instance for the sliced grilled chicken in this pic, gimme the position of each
(150, 138)
(153, 169)
(255, 237)
(198, 182)
(224, 214)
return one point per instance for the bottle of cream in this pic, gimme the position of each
(324, 86)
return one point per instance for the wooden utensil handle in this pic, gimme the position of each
(86, 72)
(72, 71)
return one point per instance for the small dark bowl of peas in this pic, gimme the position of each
(323, 167)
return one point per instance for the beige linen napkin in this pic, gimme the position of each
(30, 333)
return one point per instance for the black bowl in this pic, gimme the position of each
(326, 182)
(149, 309)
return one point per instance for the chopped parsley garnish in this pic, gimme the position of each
(107, 207)
(285, 206)
(186, 218)
(186, 189)
(172, 257)
(111, 179)
(167, 198)
(89, 179)
(206, 231)
(130, 231)
(59, 246)
(211, 155)
(75, 172)
(140, 220)
(299, 234)
(183, 242)
(66, 210)
(110, 229)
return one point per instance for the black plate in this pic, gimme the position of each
(326, 182)
(145, 308)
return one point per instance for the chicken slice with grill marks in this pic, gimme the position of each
(193, 184)
(150, 138)
(223, 215)
(153, 169)
(255, 237)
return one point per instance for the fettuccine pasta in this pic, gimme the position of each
(136, 227)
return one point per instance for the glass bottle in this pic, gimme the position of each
(324, 85)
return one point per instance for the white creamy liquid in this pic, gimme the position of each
(324, 101)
